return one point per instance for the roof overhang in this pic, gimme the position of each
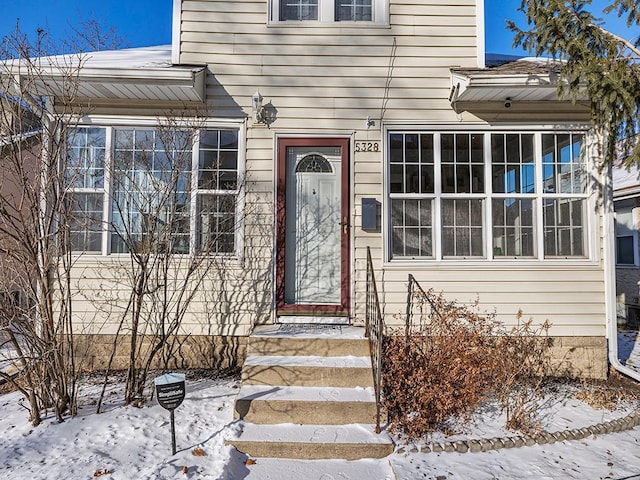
(528, 83)
(626, 182)
(138, 74)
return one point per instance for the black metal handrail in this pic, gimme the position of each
(415, 291)
(374, 331)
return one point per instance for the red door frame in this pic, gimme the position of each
(283, 308)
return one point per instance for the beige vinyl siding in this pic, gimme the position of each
(232, 297)
(333, 74)
(326, 79)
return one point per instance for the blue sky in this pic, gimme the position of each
(148, 22)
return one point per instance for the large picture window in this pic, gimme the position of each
(161, 193)
(486, 195)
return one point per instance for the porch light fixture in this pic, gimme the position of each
(258, 108)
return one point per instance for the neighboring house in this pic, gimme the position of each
(19, 140)
(626, 198)
(318, 112)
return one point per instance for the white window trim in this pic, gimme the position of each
(591, 220)
(176, 23)
(147, 122)
(326, 15)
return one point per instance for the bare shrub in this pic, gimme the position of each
(453, 359)
(522, 361)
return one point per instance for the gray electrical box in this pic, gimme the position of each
(370, 214)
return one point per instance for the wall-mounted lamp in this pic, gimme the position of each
(257, 108)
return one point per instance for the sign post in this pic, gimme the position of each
(170, 391)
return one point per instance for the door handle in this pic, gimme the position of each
(345, 225)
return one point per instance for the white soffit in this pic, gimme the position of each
(491, 88)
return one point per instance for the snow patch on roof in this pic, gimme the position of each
(139, 58)
(142, 57)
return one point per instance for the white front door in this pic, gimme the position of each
(313, 210)
(312, 230)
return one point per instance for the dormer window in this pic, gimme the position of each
(328, 11)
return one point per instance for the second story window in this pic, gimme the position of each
(328, 11)
(299, 10)
(354, 10)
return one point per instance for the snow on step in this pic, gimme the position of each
(306, 394)
(355, 433)
(285, 469)
(341, 332)
(349, 361)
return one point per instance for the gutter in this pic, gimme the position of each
(610, 282)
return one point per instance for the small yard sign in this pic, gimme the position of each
(170, 392)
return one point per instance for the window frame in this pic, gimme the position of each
(589, 220)
(111, 124)
(98, 191)
(633, 234)
(327, 15)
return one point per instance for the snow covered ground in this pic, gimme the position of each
(135, 443)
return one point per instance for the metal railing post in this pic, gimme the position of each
(374, 331)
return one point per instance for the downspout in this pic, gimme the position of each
(610, 280)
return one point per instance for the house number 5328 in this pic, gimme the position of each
(367, 146)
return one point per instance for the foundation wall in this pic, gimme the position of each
(93, 352)
(580, 357)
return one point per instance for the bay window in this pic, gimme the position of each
(165, 190)
(486, 195)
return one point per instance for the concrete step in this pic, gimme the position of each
(293, 469)
(305, 405)
(314, 371)
(312, 442)
(306, 341)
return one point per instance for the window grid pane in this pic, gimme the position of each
(216, 223)
(563, 163)
(412, 228)
(84, 170)
(299, 10)
(513, 227)
(85, 158)
(563, 227)
(412, 163)
(85, 221)
(462, 228)
(512, 160)
(218, 165)
(354, 10)
(462, 157)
